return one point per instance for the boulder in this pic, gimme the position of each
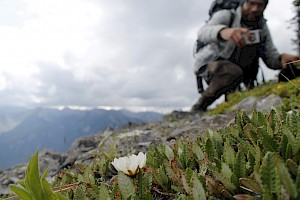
(269, 102)
(248, 103)
(263, 103)
(52, 161)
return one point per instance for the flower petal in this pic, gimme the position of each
(130, 165)
(116, 164)
(133, 165)
(123, 164)
(142, 159)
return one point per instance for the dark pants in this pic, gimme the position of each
(222, 76)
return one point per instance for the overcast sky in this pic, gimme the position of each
(134, 54)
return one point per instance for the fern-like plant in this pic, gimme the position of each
(255, 158)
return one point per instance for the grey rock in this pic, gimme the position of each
(52, 161)
(263, 103)
(134, 141)
(248, 103)
(269, 102)
(11, 176)
(79, 147)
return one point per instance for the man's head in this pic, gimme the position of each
(253, 9)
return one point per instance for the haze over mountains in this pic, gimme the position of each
(23, 131)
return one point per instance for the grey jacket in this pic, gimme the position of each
(218, 48)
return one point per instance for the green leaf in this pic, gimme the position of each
(20, 192)
(251, 185)
(294, 122)
(88, 176)
(198, 190)
(102, 165)
(250, 133)
(22, 183)
(268, 142)
(209, 148)
(269, 174)
(158, 157)
(188, 174)
(90, 193)
(244, 197)
(261, 119)
(79, 193)
(177, 188)
(258, 157)
(292, 167)
(47, 189)
(161, 178)
(273, 121)
(226, 171)
(251, 161)
(240, 124)
(267, 195)
(298, 180)
(257, 178)
(239, 168)
(126, 185)
(198, 152)
(80, 178)
(103, 193)
(229, 154)
(140, 184)
(169, 152)
(216, 136)
(170, 173)
(284, 146)
(293, 141)
(255, 118)
(60, 197)
(147, 179)
(183, 197)
(245, 118)
(286, 179)
(225, 181)
(144, 185)
(32, 178)
(185, 183)
(184, 157)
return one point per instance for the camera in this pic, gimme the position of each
(255, 37)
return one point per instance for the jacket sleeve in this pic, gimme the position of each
(209, 32)
(269, 53)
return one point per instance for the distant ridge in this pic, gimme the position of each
(23, 131)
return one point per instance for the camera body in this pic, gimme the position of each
(255, 37)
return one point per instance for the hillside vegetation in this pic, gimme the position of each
(256, 157)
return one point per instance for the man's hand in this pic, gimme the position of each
(235, 35)
(287, 58)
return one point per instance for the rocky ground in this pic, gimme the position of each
(133, 138)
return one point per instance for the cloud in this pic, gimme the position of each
(104, 53)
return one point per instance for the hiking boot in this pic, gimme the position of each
(198, 107)
(202, 104)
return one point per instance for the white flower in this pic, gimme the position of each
(130, 165)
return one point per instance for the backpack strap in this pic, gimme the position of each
(232, 11)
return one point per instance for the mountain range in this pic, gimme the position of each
(23, 131)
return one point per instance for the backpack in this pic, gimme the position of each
(215, 6)
(289, 73)
(223, 4)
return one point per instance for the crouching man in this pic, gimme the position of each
(234, 43)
